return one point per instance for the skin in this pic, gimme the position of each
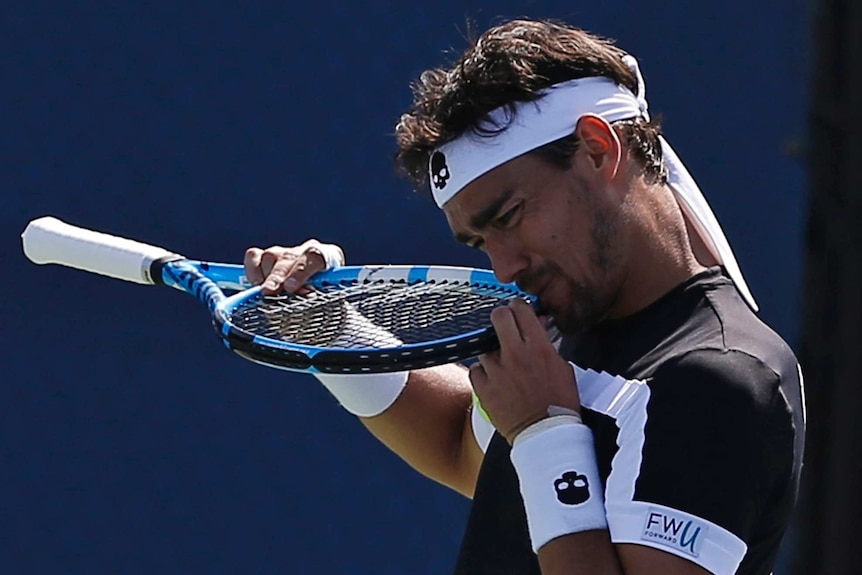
(593, 242)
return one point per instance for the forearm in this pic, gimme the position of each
(587, 552)
(563, 497)
(565, 508)
(428, 426)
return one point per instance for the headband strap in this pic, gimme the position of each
(513, 130)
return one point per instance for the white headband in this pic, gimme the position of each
(555, 115)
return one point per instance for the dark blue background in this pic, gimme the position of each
(130, 441)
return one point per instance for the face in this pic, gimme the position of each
(554, 232)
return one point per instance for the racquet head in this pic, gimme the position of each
(369, 319)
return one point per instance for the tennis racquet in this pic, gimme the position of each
(353, 319)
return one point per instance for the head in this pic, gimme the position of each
(556, 219)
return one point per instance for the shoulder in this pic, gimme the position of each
(730, 393)
(744, 333)
(731, 377)
(709, 444)
(720, 409)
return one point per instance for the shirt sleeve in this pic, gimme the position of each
(696, 456)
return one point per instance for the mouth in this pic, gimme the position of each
(532, 288)
(539, 302)
(540, 307)
(538, 285)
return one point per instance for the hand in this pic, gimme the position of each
(288, 268)
(518, 383)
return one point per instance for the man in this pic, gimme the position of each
(672, 443)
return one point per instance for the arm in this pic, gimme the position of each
(698, 453)
(565, 506)
(429, 424)
(591, 552)
(429, 427)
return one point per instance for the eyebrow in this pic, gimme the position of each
(481, 220)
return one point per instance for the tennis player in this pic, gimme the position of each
(647, 422)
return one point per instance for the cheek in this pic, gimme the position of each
(572, 256)
(563, 237)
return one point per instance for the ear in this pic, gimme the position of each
(601, 144)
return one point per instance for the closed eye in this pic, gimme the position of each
(506, 218)
(477, 244)
(503, 221)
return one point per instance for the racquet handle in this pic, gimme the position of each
(48, 240)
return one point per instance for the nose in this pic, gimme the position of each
(507, 261)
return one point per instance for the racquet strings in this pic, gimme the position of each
(378, 314)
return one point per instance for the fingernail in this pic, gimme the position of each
(290, 284)
(270, 285)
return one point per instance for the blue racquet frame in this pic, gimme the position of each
(207, 282)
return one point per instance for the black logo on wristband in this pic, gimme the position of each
(572, 488)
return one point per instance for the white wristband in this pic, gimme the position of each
(365, 395)
(556, 464)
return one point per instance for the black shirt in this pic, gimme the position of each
(697, 413)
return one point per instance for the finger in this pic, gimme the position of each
(490, 364)
(272, 255)
(507, 329)
(478, 376)
(301, 269)
(277, 270)
(314, 259)
(251, 265)
(292, 271)
(529, 326)
(331, 254)
(311, 261)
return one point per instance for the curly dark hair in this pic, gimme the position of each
(511, 63)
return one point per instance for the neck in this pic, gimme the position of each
(663, 250)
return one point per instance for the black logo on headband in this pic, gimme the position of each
(439, 170)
